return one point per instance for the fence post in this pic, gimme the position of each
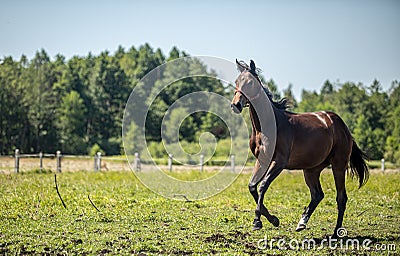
(233, 163)
(98, 161)
(201, 162)
(95, 162)
(136, 164)
(58, 155)
(383, 165)
(170, 162)
(16, 170)
(41, 161)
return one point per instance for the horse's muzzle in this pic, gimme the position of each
(236, 108)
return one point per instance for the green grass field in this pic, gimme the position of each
(134, 220)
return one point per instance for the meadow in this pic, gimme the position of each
(123, 217)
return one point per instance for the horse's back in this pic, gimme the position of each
(313, 139)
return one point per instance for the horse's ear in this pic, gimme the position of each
(252, 66)
(240, 66)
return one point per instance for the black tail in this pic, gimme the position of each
(358, 166)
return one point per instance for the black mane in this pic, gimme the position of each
(280, 104)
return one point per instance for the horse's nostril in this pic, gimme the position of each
(237, 108)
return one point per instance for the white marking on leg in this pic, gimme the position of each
(304, 220)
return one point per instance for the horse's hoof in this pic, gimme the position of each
(300, 227)
(274, 221)
(257, 224)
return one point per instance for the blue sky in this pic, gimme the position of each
(298, 42)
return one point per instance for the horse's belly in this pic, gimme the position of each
(309, 152)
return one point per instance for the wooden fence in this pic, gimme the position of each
(41, 155)
(98, 164)
(97, 161)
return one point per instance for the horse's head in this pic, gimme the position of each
(248, 86)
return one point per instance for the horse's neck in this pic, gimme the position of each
(255, 121)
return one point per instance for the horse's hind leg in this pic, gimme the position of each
(339, 173)
(312, 180)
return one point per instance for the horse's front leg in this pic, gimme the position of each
(273, 172)
(258, 171)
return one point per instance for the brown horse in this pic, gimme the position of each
(308, 141)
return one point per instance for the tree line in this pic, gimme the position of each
(77, 105)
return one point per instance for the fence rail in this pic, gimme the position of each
(98, 161)
(40, 155)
